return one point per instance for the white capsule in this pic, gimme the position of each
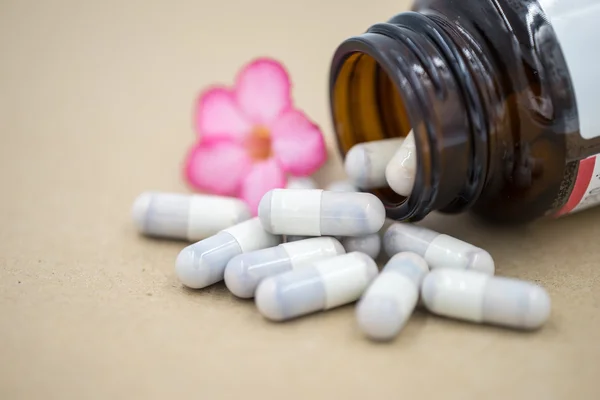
(387, 304)
(245, 271)
(482, 298)
(184, 216)
(365, 163)
(320, 213)
(369, 244)
(401, 170)
(440, 251)
(202, 264)
(341, 186)
(301, 183)
(320, 286)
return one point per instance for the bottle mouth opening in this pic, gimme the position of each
(367, 106)
(370, 102)
(410, 75)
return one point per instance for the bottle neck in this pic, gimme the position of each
(420, 72)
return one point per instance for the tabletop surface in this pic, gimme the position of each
(95, 107)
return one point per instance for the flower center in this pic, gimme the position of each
(259, 143)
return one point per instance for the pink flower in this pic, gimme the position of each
(251, 136)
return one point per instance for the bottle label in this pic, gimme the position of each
(586, 191)
(576, 23)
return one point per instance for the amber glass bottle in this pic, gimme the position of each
(500, 95)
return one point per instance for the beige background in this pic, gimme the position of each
(95, 107)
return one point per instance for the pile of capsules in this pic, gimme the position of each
(311, 250)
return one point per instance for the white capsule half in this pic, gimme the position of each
(245, 271)
(202, 264)
(184, 216)
(369, 244)
(301, 183)
(440, 251)
(481, 298)
(320, 286)
(389, 302)
(341, 186)
(401, 170)
(320, 213)
(365, 163)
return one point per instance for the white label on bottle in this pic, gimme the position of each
(586, 192)
(577, 24)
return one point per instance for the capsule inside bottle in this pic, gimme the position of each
(365, 163)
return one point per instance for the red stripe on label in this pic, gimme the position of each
(584, 176)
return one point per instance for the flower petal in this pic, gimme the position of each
(263, 90)
(263, 177)
(217, 167)
(298, 144)
(218, 116)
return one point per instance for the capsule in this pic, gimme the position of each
(440, 251)
(389, 302)
(322, 285)
(341, 186)
(301, 183)
(245, 271)
(369, 244)
(365, 163)
(401, 169)
(481, 298)
(320, 213)
(186, 217)
(202, 264)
